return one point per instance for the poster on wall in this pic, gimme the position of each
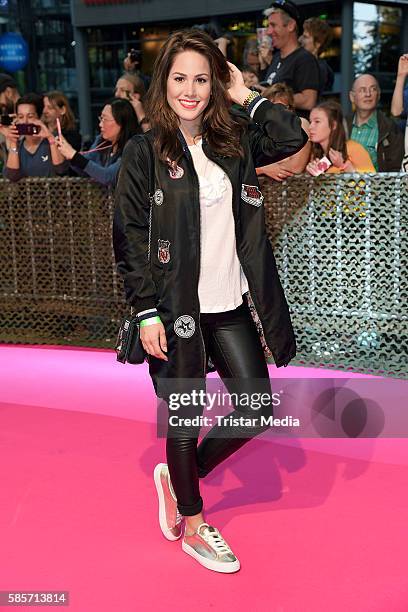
(13, 52)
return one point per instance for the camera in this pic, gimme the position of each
(6, 120)
(135, 55)
(28, 129)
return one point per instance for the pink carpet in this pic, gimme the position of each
(319, 525)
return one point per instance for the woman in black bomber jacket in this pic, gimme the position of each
(190, 241)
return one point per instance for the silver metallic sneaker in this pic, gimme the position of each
(169, 517)
(210, 549)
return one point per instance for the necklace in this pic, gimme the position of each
(190, 140)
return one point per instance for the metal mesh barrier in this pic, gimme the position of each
(339, 241)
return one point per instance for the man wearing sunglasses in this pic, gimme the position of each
(291, 64)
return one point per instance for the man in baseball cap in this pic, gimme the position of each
(288, 7)
(291, 64)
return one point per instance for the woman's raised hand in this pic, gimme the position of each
(65, 148)
(403, 65)
(154, 342)
(237, 89)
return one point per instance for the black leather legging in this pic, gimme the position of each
(233, 343)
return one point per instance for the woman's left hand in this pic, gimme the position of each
(336, 158)
(65, 148)
(348, 166)
(237, 89)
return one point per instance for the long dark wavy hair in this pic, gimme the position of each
(337, 138)
(219, 128)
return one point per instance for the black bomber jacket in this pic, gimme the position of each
(156, 238)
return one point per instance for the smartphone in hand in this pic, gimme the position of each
(323, 164)
(28, 129)
(59, 128)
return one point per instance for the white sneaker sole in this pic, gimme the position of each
(162, 506)
(216, 566)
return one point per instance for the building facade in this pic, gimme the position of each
(80, 48)
(46, 26)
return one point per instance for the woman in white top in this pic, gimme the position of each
(188, 256)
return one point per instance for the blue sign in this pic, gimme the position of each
(13, 52)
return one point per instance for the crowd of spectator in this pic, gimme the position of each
(39, 134)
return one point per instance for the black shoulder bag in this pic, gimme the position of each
(129, 347)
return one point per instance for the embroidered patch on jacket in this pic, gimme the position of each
(252, 195)
(184, 326)
(158, 197)
(176, 172)
(163, 251)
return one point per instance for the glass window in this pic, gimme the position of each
(376, 38)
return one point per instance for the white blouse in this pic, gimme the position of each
(222, 281)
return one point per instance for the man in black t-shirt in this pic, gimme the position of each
(291, 64)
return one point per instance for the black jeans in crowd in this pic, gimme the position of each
(232, 341)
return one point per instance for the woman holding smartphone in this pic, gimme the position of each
(59, 117)
(31, 151)
(329, 141)
(118, 123)
(190, 242)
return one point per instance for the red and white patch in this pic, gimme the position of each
(252, 195)
(176, 172)
(163, 251)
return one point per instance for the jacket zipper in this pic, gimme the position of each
(197, 190)
(198, 272)
(151, 196)
(150, 228)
